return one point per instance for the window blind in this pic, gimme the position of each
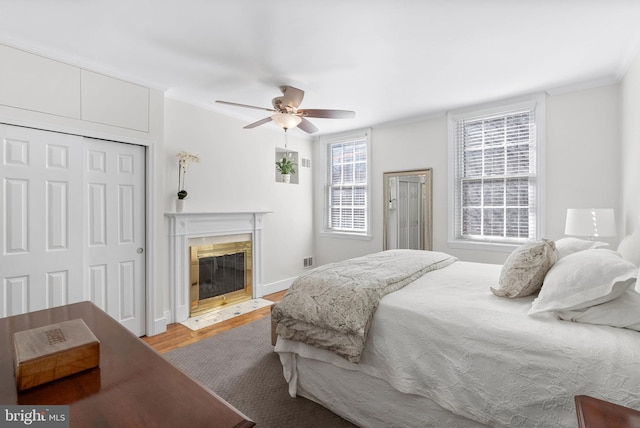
(495, 177)
(347, 185)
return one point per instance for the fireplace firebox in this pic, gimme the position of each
(220, 274)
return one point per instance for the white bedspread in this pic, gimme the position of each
(331, 307)
(448, 338)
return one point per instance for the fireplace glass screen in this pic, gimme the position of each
(220, 274)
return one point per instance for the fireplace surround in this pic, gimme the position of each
(188, 229)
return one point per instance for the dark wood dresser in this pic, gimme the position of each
(133, 387)
(595, 413)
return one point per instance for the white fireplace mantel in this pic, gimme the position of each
(187, 225)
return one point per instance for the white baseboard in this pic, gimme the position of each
(274, 287)
(160, 324)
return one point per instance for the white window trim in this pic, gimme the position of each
(336, 138)
(537, 100)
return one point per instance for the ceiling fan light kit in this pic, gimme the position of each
(286, 120)
(287, 115)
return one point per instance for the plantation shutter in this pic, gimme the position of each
(495, 177)
(347, 182)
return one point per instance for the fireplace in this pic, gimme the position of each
(188, 230)
(219, 274)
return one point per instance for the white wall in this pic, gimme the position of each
(582, 153)
(415, 145)
(237, 173)
(630, 147)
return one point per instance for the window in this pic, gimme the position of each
(347, 187)
(496, 174)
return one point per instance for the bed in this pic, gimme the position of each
(444, 350)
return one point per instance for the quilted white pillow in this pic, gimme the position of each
(629, 248)
(525, 268)
(584, 279)
(622, 312)
(570, 245)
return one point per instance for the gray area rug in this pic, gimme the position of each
(240, 366)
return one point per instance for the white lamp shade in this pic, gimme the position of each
(286, 120)
(592, 222)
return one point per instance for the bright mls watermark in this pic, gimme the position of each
(34, 416)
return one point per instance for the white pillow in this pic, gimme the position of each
(584, 279)
(629, 248)
(622, 312)
(566, 246)
(523, 272)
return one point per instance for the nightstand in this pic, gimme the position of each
(595, 413)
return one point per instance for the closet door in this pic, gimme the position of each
(115, 230)
(41, 234)
(48, 251)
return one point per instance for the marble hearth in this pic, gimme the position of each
(186, 227)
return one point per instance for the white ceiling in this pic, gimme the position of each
(387, 60)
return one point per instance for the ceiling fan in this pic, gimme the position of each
(287, 115)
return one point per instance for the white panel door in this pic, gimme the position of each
(403, 224)
(42, 248)
(409, 202)
(115, 201)
(58, 241)
(413, 216)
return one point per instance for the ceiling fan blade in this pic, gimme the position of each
(258, 123)
(328, 114)
(307, 126)
(244, 105)
(292, 96)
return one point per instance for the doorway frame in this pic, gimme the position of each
(427, 214)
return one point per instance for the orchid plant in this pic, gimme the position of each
(184, 159)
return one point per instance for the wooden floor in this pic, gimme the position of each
(178, 335)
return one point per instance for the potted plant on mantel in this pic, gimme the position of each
(285, 167)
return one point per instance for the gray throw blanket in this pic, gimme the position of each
(331, 307)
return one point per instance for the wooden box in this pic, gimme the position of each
(54, 351)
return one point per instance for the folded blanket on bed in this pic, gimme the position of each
(331, 307)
